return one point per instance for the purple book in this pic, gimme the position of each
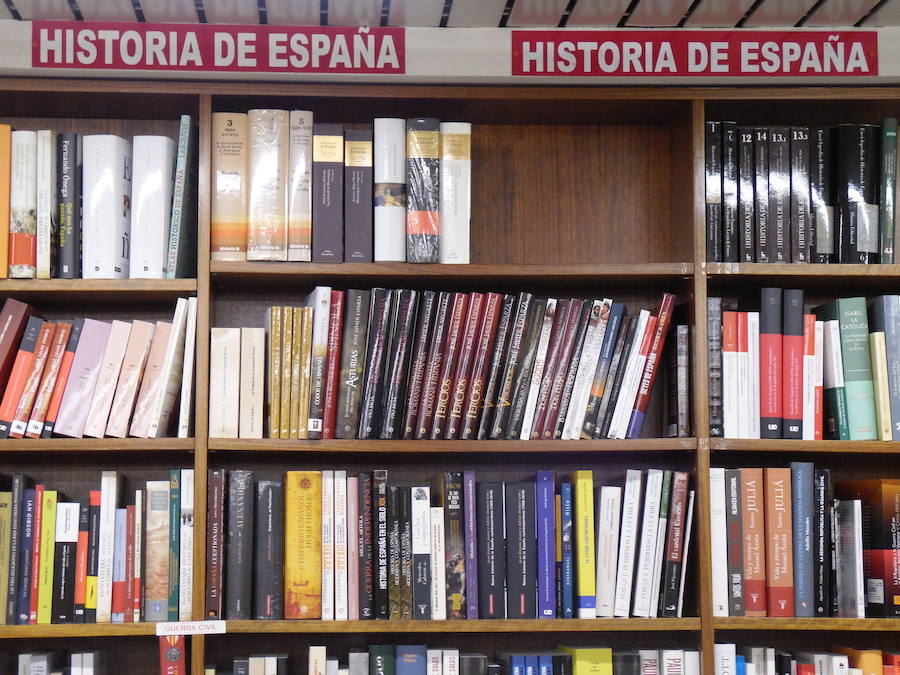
(119, 553)
(76, 400)
(546, 545)
(471, 545)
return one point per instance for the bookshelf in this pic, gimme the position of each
(577, 190)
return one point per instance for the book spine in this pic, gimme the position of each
(327, 539)
(779, 563)
(836, 424)
(215, 542)
(856, 357)
(452, 566)
(423, 179)
(456, 189)
(398, 364)
(109, 498)
(328, 193)
(353, 362)
(521, 387)
(567, 552)
(651, 366)
(587, 365)
(609, 510)
(239, 562)
(888, 189)
(546, 539)
(175, 542)
(601, 372)
(45, 571)
(274, 324)
(821, 195)
(421, 552)
(186, 547)
(268, 589)
(770, 363)
(51, 373)
(81, 556)
(799, 191)
(320, 304)
(561, 322)
(822, 542)
(809, 377)
(406, 555)
(480, 366)
(106, 186)
(455, 330)
(754, 541)
(803, 509)
(23, 205)
(878, 350)
(66, 542)
(889, 307)
(376, 355)
(302, 545)
(151, 207)
(119, 564)
(430, 379)
(268, 163)
(90, 582)
(503, 400)
(730, 233)
(495, 369)
(438, 594)
(182, 249)
(648, 543)
(673, 569)
(228, 208)
(571, 358)
(471, 540)
(418, 362)
(713, 146)
(20, 524)
(779, 194)
(299, 195)
(137, 594)
(68, 199)
(461, 382)
(735, 542)
(389, 175)
(33, 578)
(544, 316)
(586, 590)
(380, 543)
(521, 563)
(491, 552)
(393, 528)
(761, 193)
(792, 363)
(250, 393)
(358, 235)
(352, 538)
(718, 541)
(746, 196)
(332, 363)
(364, 538)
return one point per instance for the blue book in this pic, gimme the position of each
(607, 348)
(568, 550)
(516, 664)
(545, 663)
(532, 665)
(121, 537)
(411, 660)
(740, 665)
(546, 545)
(26, 550)
(803, 506)
(469, 526)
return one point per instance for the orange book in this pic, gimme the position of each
(303, 545)
(869, 661)
(19, 375)
(81, 556)
(754, 544)
(5, 162)
(23, 205)
(51, 373)
(59, 388)
(35, 555)
(32, 382)
(779, 539)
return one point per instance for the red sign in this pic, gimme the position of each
(207, 47)
(685, 53)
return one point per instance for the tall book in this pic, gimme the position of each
(83, 375)
(447, 492)
(107, 380)
(456, 191)
(47, 222)
(792, 366)
(228, 206)
(753, 541)
(821, 193)
(714, 366)
(771, 354)
(268, 580)
(779, 195)
(5, 167)
(162, 402)
(109, 499)
(358, 168)
(319, 302)
(20, 370)
(734, 540)
(215, 542)
(182, 241)
(887, 190)
(857, 197)
(328, 192)
(224, 382)
(456, 323)
(268, 165)
(730, 236)
(175, 479)
(250, 398)
(423, 180)
(23, 205)
(106, 186)
(389, 175)
(800, 194)
(521, 551)
(186, 546)
(718, 540)
(189, 353)
(460, 384)
(153, 162)
(491, 551)
(545, 526)
(239, 545)
(353, 361)
(133, 363)
(59, 385)
(884, 317)
(371, 399)
(609, 511)
(803, 514)
(302, 545)
(585, 562)
(645, 571)
(779, 550)
(628, 542)
(849, 566)
(299, 188)
(746, 196)
(673, 565)
(713, 165)
(398, 363)
(23, 408)
(761, 193)
(327, 539)
(421, 551)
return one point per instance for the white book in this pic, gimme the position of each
(170, 374)
(108, 378)
(820, 661)
(819, 370)
(23, 664)
(328, 545)
(753, 350)
(688, 528)
(317, 660)
(718, 541)
(451, 662)
(153, 167)
(809, 390)
(691, 662)
(341, 608)
(359, 663)
(438, 585)
(725, 659)
(537, 372)
(647, 558)
(353, 547)
(22, 202)
(743, 375)
(331, 667)
(587, 364)
(320, 301)
(138, 552)
(224, 382)
(434, 659)
(76, 664)
(661, 532)
(634, 368)
(186, 399)
(456, 191)
(609, 511)
(389, 176)
(106, 217)
(109, 499)
(46, 200)
(833, 373)
(730, 391)
(649, 661)
(186, 547)
(252, 382)
(300, 187)
(849, 554)
(839, 664)
(420, 517)
(628, 541)
(672, 661)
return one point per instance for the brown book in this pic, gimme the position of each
(301, 371)
(493, 305)
(215, 524)
(463, 377)
(13, 319)
(779, 540)
(754, 544)
(29, 392)
(495, 369)
(455, 327)
(551, 362)
(19, 374)
(427, 305)
(333, 363)
(48, 381)
(571, 356)
(673, 562)
(428, 400)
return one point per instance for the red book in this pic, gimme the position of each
(770, 355)
(60, 387)
(81, 555)
(35, 554)
(456, 320)
(119, 592)
(729, 375)
(333, 363)
(754, 534)
(32, 381)
(493, 305)
(463, 376)
(428, 301)
(779, 542)
(891, 659)
(13, 319)
(792, 364)
(807, 669)
(19, 374)
(171, 655)
(48, 380)
(557, 332)
(666, 307)
(561, 369)
(129, 564)
(819, 347)
(430, 382)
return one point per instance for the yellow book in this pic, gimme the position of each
(878, 348)
(5, 525)
(5, 161)
(305, 362)
(869, 661)
(287, 342)
(303, 545)
(585, 566)
(296, 351)
(48, 552)
(273, 346)
(590, 660)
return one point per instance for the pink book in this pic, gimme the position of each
(352, 548)
(79, 391)
(110, 367)
(132, 370)
(152, 381)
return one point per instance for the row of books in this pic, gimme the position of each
(441, 365)
(56, 663)
(732, 660)
(93, 378)
(801, 194)
(94, 561)
(286, 188)
(332, 546)
(98, 206)
(776, 371)
(789, 542)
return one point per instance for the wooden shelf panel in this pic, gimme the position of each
(97, 444)
(814, 624)
(467, 626)
(801, 270)
(70, 630)
(787, 445)
(418, 447)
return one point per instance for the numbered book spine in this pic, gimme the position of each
(887, 190)
(779, 195)
(23, 205)
(47, 222)
(746, 196)
(106, 224)
(821, 192)
(423, 178)
(299, 198)
(799, 141)
(228, 208)
(268, 163)
(713, 145)
(730, 233)
(761, 193)
(151, 205)
(389, 175)
(857, 185)
(358, 182)
(456, 191)
(328, 193)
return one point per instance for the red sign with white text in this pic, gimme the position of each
(208, 47)
(685, 53)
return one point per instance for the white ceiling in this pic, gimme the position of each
(487, 13)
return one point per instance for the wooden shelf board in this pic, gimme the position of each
(150, 286)
(813, 624)
(790, 445)
(467, 626)
(97, 444)
(801, 270)
(417, 447)
(70, 630)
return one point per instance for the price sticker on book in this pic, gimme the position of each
(190, 628)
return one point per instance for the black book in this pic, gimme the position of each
(857, 192)
(746, 196)
(363, 533)
(608, 404)
(406, 559)
(799, 194)
(626, 662)
(821, 194)
(501, 344)
(68, 197)
(734, 529)
(491, 551)
(241, 666)
(328, 193)
(473, 664)
(376, 355)
(730, 234)
(522, 379)
(382, 659)
(562, 664)
(353, 362)
(569, 382)
(601, 372)
(398, 361)
(779, 195)
(358, 233)
(521, 551)
(393, 528)
(783, 663)
(239, 546)
(502, 405)
(268, 569)
(447, 491)
(435, 356)
(761, 193)
(17, 504)
(380, 539)
(713, 146)
(66, 542)
(423, 190)
(714, 366)
(418, 362)
(822, 543)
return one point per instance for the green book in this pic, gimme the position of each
(382, 659)
(886, 205)
(174, 541)
(859, 390)
(181, 259)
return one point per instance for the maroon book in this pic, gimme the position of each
(215, 542)
(493, 304)
(455, 325)
(429, 396)
(557, 332)
(13, 319)
(333, 363)
(561, 369)
(462, 378)
(427, 304)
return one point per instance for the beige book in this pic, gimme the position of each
(287, 343)
(224, 382)
(150, 384)
(129, 378)
(878, 348)
(156, 552)
(253, 345)
(273, 354)
(186, 398)
(110, 367)
(228, 209)
(170, 375)
(305, 369)
(300, 187)
(296, 340)
(267, 190)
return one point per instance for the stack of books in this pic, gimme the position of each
(56, 663)
(835, 661)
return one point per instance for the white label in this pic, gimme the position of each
(190, 628)
(875, 591)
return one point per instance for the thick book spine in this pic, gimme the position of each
(268, 584)
(735, 542)
(471, 543)
(779, 534)
(90, 584)
(319, 302)
(228, 207)
(20, 523)
(393, 529)
(455, 328)
(491, 551)
(718, 533)
(792, 363)
(730, 225)
(364, 538)
(836, 423)
(23, 205)
(66, 542)
(239, 547)
(713, 145)
(495, 369)
(609, 509)
(601, 372)
(585, 556)
(328, 193)
(299, 197)
(431, 377)
(856, 357)
(521, 551)
(651, 366)
(560, 403)
(358, 242)
(857, 197)
(587, 365)
(493, 307)
(673, 567)
(380, 543)
(884, 314)
(799, 168)
(398, 364)
(447, 492)
(545, 524)
(617, 369)
(456, 191)
(779, 195)
(68, 198)
(754, 541)
(770, 363)
(462, 374)
(268, 167)
(563, 321)
(746, 196)
(332, 363)
(389, 174)
(887, 190)
(803, 513)
(821, 193)
(421, 551)
(503, 400)
(423, 181)
(418, 362)
(175, 542)
(376, 355)
(215, 542)
(822, 542)
(761, 193)
(302, 545)
(353, 362)
(531, 359)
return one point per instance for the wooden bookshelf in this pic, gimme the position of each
(790, 445)
(798, 624)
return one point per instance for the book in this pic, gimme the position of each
(390, 199)
(676, 544)
(109, 498)
(215, 542)
(267, 187)
(225, 382)
(799, 193)
(779, 194)
(20, 416)
(887, 190)
(645, 571)
(398, 364)
(438, 598)
(5, 168)
(545, 527)
(175, 479)
(229, 173)
(521, 550)
(327, 540)
(186, 546)
(153, 164)
(106, 187)
(303, 556)
(423, 180)
(857, 195)
(299, 188)
(460, 384)
(107, 379)
(358, 186)
(792, 370)
(68, 200)
(754, 541)
(239, 547)
(421, 552)
(455, 196)
(19, 374)
(162, 401)
(46, 213)
(85, 370)
(492, 553)
(848, 544)
(730, 239)
(803, 509)
(186, 396)
(735, 542)
(250, 395)
(151, 382)
(607, 538)
(713, 172)
(353, 362)
(821, 192)
(718, 541)
(134, 361)
(370, 407)
(268, 577)
(779, 535)
(327, 192)
(61, 380)
(761, 192)
(746, 195)
(23, 205)
(182, 240)
(456, 319)
(585, 561)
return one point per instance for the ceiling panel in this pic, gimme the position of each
(659, 12)
(840, 12)
(478, 13)
(109, 10)
(231, 11)
(176, 11)
(717, 13)
(779, 13)
(597, 12)
(354, 12)
(50, 10)
(537, 12)
(416, 13)
(887, 15)
(293, 12)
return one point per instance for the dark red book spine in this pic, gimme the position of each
(427, 303)
(215, 523)
(770, 355)
(455, 326)
(171, 655)
(493, 304)
(462, 378)
(561, 369)
(792, 364)
(333, 363)
(557, 333)
(429, 397)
